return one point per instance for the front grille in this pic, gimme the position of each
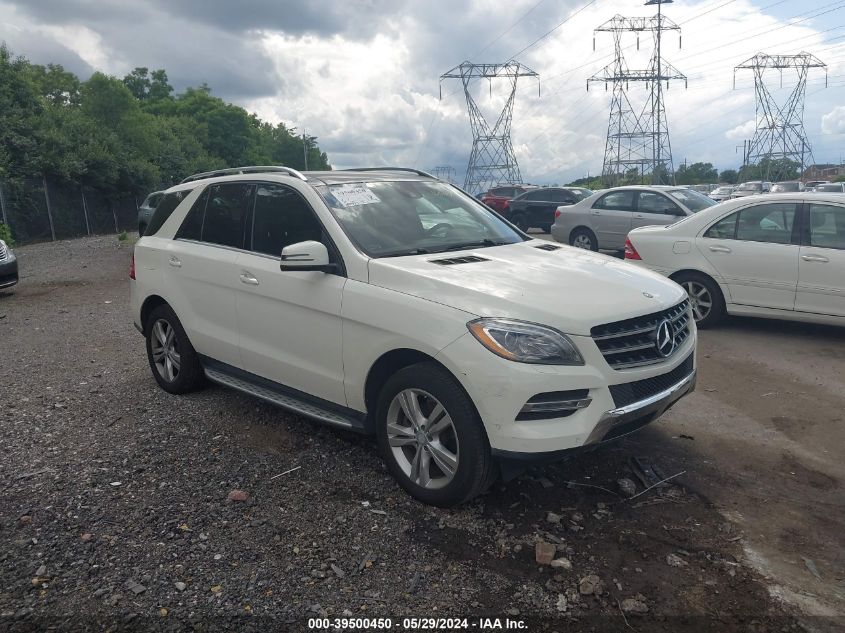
(3, 252)
(633, 342)
(631, 392)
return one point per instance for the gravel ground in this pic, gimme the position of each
(116, 512)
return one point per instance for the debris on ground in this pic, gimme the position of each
(544, 552)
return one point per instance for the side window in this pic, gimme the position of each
(281, 218)
(165, 209)
(616, 200)
(827, 226)
(537, 195)
(502, 191)
(724, 229)
(650, 202)
(766, 223)
(225, 214)
(559, 195)
(191, 228)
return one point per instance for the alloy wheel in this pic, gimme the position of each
(700, 299)
(422, 438)
(165, 350)
(582, 240)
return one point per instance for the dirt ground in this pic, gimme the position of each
(114, 511)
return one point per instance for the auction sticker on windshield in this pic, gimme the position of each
(353, 195)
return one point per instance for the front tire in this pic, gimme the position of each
(173, 360)
(706, 299)
(431, 437)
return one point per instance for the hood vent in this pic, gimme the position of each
(548, 247)
(451, 261)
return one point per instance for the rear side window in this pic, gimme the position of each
(191, 228)
(165, 209)
(225, 214)
(766, 223)
(616, 200)
(649, 202)
(724, 229)
(281, 218)
(827, 226)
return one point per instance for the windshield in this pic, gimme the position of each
(692, 200)
(783, 187)
(582, 194)
(722, 190)
(750, 186)
(395, 218)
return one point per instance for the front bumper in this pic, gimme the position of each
(8, 271)
(500, 390)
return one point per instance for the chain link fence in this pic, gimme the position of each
(41, 209)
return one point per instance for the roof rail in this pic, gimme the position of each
(252, 169)
(418, 172)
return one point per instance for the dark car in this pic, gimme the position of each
(8, 267)
(498, 197)
(145, 213)
(536, 208)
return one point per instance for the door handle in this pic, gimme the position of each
(248, 278)
(720, 249)
(639, 216)
(596, 212)
(175, 262)
(814, 258)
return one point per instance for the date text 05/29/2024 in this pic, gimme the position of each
(416, 624)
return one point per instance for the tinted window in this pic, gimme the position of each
(537, 195)
(225, 214)
(165, 209)
(281, 218)
(503, 191)
(191, 228)
(618, 200)
(692, 200)
(785, 187)
(649, 202)
(832, 187)
(827, 226)
(766, 223)
(559, 195)
(724, 229)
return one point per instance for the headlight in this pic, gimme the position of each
(525, 342)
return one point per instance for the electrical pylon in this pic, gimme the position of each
(444, 172)
(638, 135)
(492, 160)
(780, 128)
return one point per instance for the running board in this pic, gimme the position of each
(286, 401)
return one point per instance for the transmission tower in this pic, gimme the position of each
(638, 136)
(492, 160)
(780, 128)
(444, 172)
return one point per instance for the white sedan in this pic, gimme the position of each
(756, 256)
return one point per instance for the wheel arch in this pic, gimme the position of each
(150, 304)
(726, 297)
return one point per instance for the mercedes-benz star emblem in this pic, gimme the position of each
(664, 339)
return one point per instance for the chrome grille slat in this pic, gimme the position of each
(3, 252)
(631, 343)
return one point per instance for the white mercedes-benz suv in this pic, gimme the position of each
(391, 303)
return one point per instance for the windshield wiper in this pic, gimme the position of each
(410, 251)
(478, 244)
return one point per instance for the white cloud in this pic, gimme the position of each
(742, 132)
(834, 121)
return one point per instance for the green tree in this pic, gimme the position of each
(696, 174)
(729, 176)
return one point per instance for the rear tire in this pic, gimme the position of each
(708, 303)
(546, 228)
(584, 238)
(431, 437)
(173, 360)
(521, 222)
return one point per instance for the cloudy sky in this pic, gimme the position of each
(362, 75)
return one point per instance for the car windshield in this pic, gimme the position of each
(582, 194)
(750, 186)
(784, 187)
(692, 200)
(396, 218)
(721, 190)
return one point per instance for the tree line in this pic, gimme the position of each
(130, 135)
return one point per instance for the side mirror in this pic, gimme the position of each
(304, 256)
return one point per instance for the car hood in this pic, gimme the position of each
(570, 289)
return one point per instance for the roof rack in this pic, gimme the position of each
(418, 172)
(254, 169)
